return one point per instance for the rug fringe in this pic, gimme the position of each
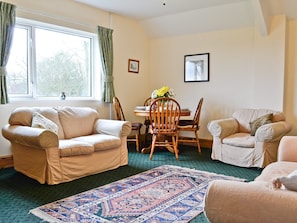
(43, 216)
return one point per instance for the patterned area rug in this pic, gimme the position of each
(163, 194)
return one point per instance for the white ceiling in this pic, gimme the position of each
(147, 9)
(178, 17)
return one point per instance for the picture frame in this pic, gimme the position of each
(196, 67)
(133, 66)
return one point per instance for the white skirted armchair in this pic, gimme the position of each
(250, 138)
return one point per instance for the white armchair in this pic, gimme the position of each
(256, 201)
(233, 142)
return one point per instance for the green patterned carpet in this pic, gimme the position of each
(19, 194)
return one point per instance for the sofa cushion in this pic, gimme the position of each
(39, 121)
(257, 123)
(240, 140)
(23, 116)
(100, 141)
(77, 121)
(73, 148)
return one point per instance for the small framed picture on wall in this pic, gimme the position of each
(133, 66)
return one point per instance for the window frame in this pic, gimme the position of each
(31, 25)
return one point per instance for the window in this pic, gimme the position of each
(46, 60)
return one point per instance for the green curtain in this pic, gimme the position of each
(106, 53)
(7, 23)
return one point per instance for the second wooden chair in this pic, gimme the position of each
(191, 126)
(136, 126)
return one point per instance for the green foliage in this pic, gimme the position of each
(62, 72)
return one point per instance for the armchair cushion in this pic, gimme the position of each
(265, 119)
(246, 115)
(244, 140)
(39, 121)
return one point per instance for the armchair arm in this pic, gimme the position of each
(113, 127)
(227, 201)
(287, 150)
(272, 131)
(223, 127)
(29, 136)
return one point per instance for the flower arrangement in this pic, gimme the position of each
(162, 92)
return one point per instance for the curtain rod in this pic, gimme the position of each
(34, 12)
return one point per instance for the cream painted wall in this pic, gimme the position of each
(269, 68)
(130, 88)
(246, 70)
(130, 41)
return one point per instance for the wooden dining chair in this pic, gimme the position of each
(192, 125)
(147, 122)
(136, 126)
(164, 118)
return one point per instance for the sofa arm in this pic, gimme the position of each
(31, 137)
(113, 127)
(229, 201)
(287, 149)
(272, 131)
(223, 127)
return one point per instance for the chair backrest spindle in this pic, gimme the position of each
(196, 118)
(164, 114)
(118, 109)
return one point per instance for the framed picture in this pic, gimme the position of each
(133, 66)
(196, 67)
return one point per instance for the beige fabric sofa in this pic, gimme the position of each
(83, 145)
(257, 201)
(234, 144)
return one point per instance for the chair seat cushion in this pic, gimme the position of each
(184, 122)
(240, 140)
(136, 125)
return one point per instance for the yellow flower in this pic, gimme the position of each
(164, 91)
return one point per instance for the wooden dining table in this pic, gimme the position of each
(146, 113)
(143, 111)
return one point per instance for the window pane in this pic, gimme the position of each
(17, 67)
(62, 64)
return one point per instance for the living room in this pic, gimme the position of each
(252, 65)
(244, 63)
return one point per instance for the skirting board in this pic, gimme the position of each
(204, 143)
(6, 161)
